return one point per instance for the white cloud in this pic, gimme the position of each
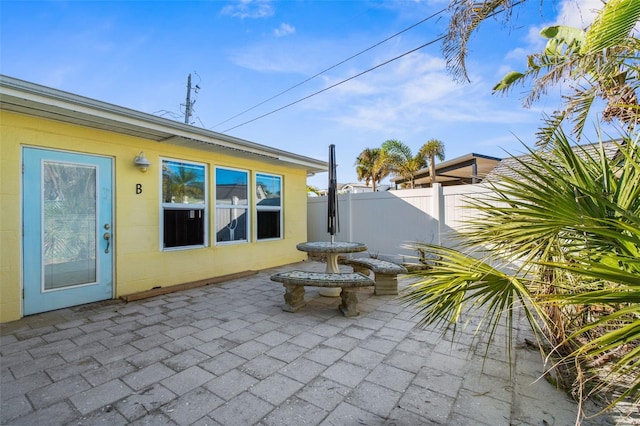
(408, 94)
(249, 9)
(581, 13)
(265, 57)
(59, 75)
(534, 42)
(575, 13)
(479, 111)
(501, 145)
(284, 30)
(578, 13)
(393, 76)
(518, 54)
(408, 98)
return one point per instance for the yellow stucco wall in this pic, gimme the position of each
(140, 263)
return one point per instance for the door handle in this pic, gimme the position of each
(107, 236)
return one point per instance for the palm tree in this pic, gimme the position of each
(569, 53)
(432, 149)
(313, 190)
(601, 61)
(182, 181)
(401, 161)
(371, 166)
(466, 17)
(559, 239)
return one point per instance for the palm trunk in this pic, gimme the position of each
(432, 169)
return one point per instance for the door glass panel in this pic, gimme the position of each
(69, 232)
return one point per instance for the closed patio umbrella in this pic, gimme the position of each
(333, 224)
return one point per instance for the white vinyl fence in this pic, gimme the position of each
(387, 221)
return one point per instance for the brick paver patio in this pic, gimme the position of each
(228, 355)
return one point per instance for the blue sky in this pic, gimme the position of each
(138, 54)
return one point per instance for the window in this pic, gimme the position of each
(183, 204)
(269, 206)
(232, 205)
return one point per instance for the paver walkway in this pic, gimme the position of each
(228, 355)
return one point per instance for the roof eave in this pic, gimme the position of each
(41, 101)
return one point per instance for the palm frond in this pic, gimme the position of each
(551, 125)
(623, 333)
(578, 105)
(461, 284)
(612, 25)
(466, 16)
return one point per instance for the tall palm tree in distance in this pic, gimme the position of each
(401, 160)
(371, 167)
(433, 148)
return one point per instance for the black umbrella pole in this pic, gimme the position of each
(332, 202)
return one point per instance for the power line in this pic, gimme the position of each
(330, 68)
(338, 83)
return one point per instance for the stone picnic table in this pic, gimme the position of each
(332, 250)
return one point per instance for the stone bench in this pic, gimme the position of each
(294, 282)
(386, 273)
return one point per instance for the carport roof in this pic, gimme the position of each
(40, 101)
(456, 171)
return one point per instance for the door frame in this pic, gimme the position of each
(99, 241)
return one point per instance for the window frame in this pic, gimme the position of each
(278, 208)
(245, 207)
(204, 206)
